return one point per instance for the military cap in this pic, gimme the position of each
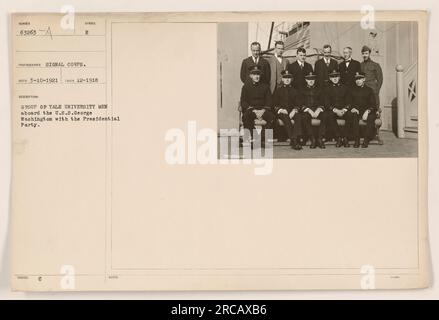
(334, 73)
(310, 76)
(255, 70)
(286, 74)
(365, 48)
(360, 75)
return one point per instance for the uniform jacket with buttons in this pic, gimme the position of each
(311, 97)
(286, 97)
(374, 75)
(256, 95)
(336, 96)
(361, 98)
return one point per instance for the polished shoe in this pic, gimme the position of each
(339, 143)
(357, 143)
(302, 142)
(346, 143)
(294, 145)
(313, 143)
(321, 143)
(365, 143)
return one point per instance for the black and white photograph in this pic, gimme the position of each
(318, 89)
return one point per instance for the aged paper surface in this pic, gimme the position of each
(96, 205)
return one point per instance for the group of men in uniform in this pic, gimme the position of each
(298, 94)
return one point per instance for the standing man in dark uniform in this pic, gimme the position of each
(324, 67)
(256, 102)
(286, 107)
(349, 68)
(313, 108)
(361, 100)
(299, 69)
(374, 77)
(255, 60)
(373, 72)
(337, 108)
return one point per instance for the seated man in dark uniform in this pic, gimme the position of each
(361, 100)
(286, 107)
(337, 108)
(256, 103)
(312, 102)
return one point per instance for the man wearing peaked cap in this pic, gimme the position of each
(312, 106)
(337, 108)
(361, 101)
(256, 101)
(373, 73)
(287, 107)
